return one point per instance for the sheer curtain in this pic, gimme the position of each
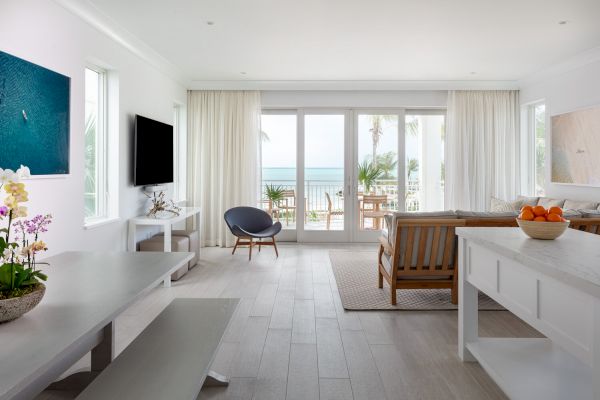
(223, 141)
(482, 143)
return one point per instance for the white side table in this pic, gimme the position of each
(167, 225)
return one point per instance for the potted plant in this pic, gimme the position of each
(274, 194)
(21, 287)
(368, 173)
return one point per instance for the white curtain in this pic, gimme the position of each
(482, 148)
(223, 141)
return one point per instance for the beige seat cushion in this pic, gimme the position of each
(391, 220)
(193, 237)
(178, 244)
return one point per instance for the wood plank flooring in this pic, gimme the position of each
(291, 338)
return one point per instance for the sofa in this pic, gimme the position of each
(419, 250)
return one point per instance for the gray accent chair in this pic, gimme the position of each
(250, 226)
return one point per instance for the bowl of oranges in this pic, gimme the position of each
(540, 223)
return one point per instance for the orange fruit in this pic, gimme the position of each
(539, 211)
(556, 210)
(540, 219)
(563, 219)
(553, 217)
(528, 208)
(526, 215)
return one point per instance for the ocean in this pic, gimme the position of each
(283, 175)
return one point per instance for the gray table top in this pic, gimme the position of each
(85, 291)
(573, 258)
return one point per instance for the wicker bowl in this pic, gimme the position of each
(543, 230)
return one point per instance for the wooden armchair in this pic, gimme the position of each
(371, 207)
(331, 211)
(591, 225)
(423, 255)
(288, 205)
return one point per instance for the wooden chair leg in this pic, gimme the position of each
(393, 289)
(259, 244)
(237, 241)
(250, 252)
(328, 221)
(275, 246)
(379, 264)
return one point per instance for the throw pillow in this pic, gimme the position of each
(499, 205)
(580, 205)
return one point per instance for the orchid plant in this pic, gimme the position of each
(20, 240)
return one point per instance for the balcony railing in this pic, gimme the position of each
(316, 205)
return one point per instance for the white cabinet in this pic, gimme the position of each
(539, 285)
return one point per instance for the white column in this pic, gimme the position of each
(468, 324)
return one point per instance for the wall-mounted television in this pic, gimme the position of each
(153, 152)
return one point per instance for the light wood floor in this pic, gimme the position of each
(291, 338)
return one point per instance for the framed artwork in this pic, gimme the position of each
(576, 147)
(34, 117)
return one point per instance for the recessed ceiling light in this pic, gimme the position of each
(473, 72)
(243, 73)
(210, 22)
(562, 22)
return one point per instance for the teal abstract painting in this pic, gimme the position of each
(34, 117)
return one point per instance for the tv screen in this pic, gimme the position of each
(153, 152)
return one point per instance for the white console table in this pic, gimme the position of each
(554, 286)
(166, 224)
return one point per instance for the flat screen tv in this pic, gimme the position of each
(153, 152)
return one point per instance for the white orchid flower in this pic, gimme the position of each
(7, 175)
(23, 172)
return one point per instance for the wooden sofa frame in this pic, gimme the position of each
(428, 269)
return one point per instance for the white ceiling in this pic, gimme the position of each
(360, 40)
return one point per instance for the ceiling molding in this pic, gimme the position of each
(96, 18)
(577, 61)
(352, 85)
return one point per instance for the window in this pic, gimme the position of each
(535, 139)
(99, 165)
(179, 156)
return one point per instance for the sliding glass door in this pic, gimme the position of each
(323, 143)
(333, 175)
(377, 168)
(278, 189)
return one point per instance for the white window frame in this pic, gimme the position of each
(528, 185)
(179, 154)
(107, 158)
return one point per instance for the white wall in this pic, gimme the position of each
(355, 99)
(46, 34)
(563, 92)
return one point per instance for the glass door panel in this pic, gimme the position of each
(324, 143)
(377, 169)
(424, 162)
(278, 155)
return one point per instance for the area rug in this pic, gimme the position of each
(356, 276)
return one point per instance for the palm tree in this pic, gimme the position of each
(377, 130)
(412, 167)
(387, 163)
(368, 173)
(90, 163)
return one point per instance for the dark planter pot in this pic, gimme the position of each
(11, 309)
